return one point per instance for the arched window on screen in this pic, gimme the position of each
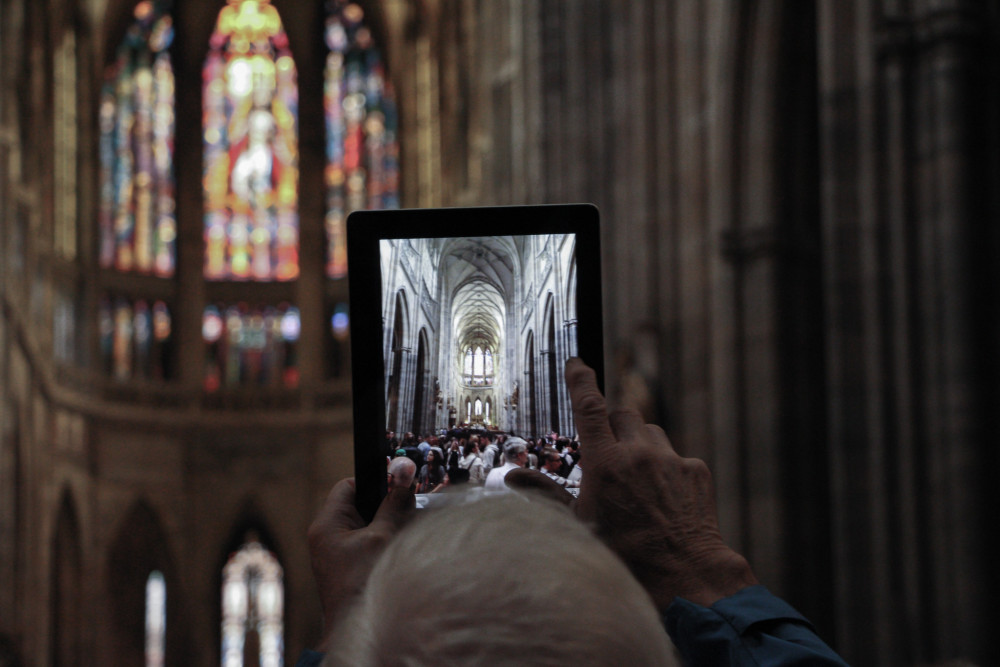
(250, 118)
(477, 366)
(252, 607)
(362, 168)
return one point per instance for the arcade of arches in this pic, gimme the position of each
(800, 270)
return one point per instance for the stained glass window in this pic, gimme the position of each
(251, 346)
(138, 227)
(362, 168)
(477, 365)
(156, 619)
(468, 366)
(135, 338)
(250, 98)
(252, 607)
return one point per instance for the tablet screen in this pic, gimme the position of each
(466, 337)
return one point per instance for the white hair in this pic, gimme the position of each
(403, 471)
(513, 446)
(559, 597)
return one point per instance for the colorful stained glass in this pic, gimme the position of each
(250, 119)
(362, 168)
(251, 346)
(252, 603)
(138, 227)
(340, 323)
(135, 338)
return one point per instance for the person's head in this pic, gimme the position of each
(431, 456)
(407, 612)
(401, 472)
(552, 460)
(471, 448)
(515, 450)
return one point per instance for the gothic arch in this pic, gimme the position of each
(66, 592)
(529, 392)
(422, 388)
(551, 366)
(249, 527)
(398, 344)
(140, 548)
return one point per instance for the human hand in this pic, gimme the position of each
(654, 508)
(343, 549)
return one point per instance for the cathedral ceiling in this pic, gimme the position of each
(479, 273)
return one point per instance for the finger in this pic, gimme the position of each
(627, 424)
(532, 480)
(589, 411)
(659, 436)
(395, 510)
(339, 512)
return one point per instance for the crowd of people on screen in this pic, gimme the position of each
(467, 456)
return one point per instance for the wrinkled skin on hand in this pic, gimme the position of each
(653, 507)
(343, 549)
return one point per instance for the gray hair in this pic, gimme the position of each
(403, 470)
(568, 600)
(513, 446)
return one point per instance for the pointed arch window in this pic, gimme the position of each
(138, 228)
(252, 607)
(477, 364)
(156, 619)
(250, 119)
(468, 365)
(362, 149)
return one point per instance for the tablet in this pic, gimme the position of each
(461, 322)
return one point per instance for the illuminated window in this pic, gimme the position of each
(477, 365)
(251, 346)
(362, 150)
(156, 619)
(135, 338)
(479, 407)
(250, 99)
(252, 607)
(468, 366)
(136, 218)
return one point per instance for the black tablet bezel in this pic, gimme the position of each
(365, 229)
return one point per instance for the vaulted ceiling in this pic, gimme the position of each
(480, 273)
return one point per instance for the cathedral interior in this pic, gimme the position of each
(800, 286)
(467, 310)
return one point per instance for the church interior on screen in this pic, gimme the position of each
(477, 331)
